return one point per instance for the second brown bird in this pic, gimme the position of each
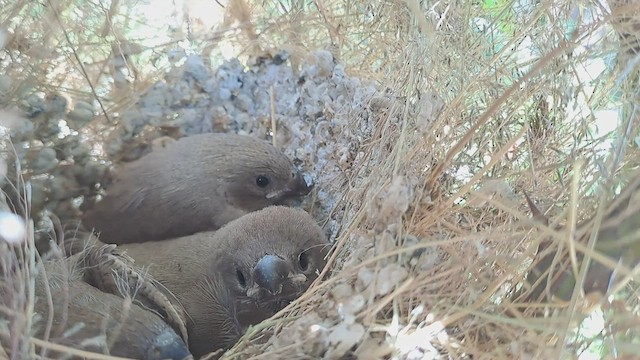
(86, 318)
(198, 183)
(239, 275)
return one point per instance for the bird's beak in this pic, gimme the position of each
(297, 187)
(164, 347)
(273, 272)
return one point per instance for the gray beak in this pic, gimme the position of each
(301, 187)
(271, 272)
(297, 187)
(168, 346)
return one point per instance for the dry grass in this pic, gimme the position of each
(435, 234)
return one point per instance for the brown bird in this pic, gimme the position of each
(239, 275)
(198, 183)
(88, 319)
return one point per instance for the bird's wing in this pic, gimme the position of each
(134, 199)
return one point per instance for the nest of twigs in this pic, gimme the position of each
(426, 126)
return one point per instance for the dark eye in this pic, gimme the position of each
(241, 279)
(262, 181)
(303, 261)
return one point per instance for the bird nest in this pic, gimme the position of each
(424, 126)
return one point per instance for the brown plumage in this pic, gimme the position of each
(86, 318)
(198, 183)
(239, 275)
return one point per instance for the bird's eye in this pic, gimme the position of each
(241, 279)
(303, 261)
(262, 181)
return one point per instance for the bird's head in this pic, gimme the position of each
(277, 253)
(257, 175)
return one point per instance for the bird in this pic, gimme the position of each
(86, 318)
(197, 183)
(239, 275)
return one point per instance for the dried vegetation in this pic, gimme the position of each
(426, 125)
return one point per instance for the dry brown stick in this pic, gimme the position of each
(493, 108)
(80, 63)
